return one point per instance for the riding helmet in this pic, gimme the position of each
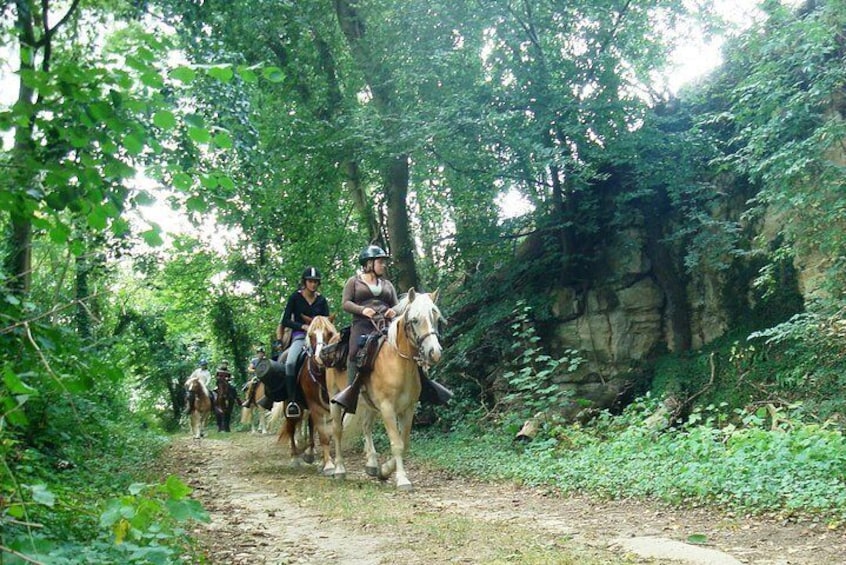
(311, 274)
(371, 252)
(204, 363)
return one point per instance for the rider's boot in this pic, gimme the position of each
(348, 398)
(292, 409)
(432, 392)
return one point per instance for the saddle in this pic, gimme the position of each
(335, 354)
(366, 355)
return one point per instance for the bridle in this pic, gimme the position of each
(417, 340)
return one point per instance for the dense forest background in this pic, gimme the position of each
(172, 166)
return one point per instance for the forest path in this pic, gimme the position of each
(264, 510)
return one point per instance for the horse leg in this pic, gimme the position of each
(307, 428)
(395, 425)
(290, 427)
(322, 420)
(192, 420)
(247, 416)
(371, 467)
(263, 416)
(337, 437)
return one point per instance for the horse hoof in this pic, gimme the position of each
(308, 459)
(408, 487)
(340, 476)
(372, 471)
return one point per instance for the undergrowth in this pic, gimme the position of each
(766, 461)
(73, 463)
(80, 499)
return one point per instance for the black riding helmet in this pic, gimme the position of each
(311, 274)
(371, 252)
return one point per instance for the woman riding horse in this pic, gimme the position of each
(225, 398)
(198, 399)
(302, 306)
(392, 385)
(369, 297)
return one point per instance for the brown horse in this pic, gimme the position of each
(199, 406)
(312, 381)
(393, 386)
(225, 398)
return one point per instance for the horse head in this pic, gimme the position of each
(420, 317)
(321, 331)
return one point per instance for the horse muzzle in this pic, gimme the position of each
(431, 349)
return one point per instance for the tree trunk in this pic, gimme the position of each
(395, 170)
(402, 244)
(18, 260)
(359, 198)
(83, 318)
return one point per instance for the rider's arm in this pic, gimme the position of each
(348, 298)
(287, 318)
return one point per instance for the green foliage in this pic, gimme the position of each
(144, 526)
(533, 380)
(67, 442)
(777, 118)
(768, 461)
(799, 363)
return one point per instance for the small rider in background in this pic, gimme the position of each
(201, 373)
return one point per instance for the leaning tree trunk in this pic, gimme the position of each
(395, 169)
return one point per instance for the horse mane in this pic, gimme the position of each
(322, 321)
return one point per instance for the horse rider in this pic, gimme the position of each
(223, 373)
(260, 354)
(302, 306)
(201, 373)
(369, 297)
(224, 383)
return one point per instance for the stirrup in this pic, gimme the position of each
(292, 410)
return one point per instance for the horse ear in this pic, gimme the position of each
(435, 296)
(411, 295)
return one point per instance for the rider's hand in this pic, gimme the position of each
(368, 312)
(389, 313)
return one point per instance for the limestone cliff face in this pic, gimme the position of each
(645, 304)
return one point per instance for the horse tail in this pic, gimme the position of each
(246, 414)
(288, 429)
(353, 431)
(276, 412)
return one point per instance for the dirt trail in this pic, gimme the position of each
(260, 515)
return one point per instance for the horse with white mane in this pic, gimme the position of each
(199, 405)
(393, 385)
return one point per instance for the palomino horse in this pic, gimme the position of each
(392, 388)
(312, 381)
(199, 406)
(250, 410)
